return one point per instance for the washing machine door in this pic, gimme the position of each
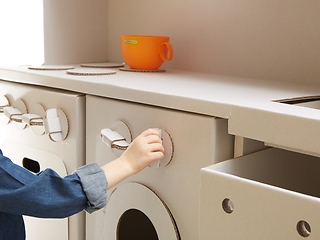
(37, 160)
(134, 211)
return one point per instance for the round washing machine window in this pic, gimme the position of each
(134, 211)
(134, 224)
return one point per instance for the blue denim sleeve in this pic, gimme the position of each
(94, 184)
(46, 194)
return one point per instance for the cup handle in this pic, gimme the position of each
(170, 51)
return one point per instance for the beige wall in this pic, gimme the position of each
(267, 39)
(75, 31)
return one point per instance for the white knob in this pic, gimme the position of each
(4, 102)
(32, 119)
(113, 139)
(12, 113)
(156, 164)
(36, 122)
(56, 124)
(15, 112)
(117, 137)
(168, 149)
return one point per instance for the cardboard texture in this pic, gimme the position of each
(90, 71)
(102, 65)
(248, 104)
(39, 228)
(64, 157)
(69, 28)
(141, 70)
(36, 124)
(51, 67)
(198, 141)
(243, 146)
(289, 129)
(270, 194)
(143, 199)
(252, 39)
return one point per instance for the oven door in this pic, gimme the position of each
(36, 160)
(28, 145)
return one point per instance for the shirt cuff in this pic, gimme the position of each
(94, 184)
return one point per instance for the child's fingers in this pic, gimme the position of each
(157, 156)
(150, 131)
(156, 147)
(153, 139)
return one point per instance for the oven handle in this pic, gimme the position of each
(55, 123)
(113, 139)
(7, 104)
(32, 119)
(13, 114)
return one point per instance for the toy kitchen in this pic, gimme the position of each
(238, 106)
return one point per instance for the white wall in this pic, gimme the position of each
(267, 39)
(21, 32)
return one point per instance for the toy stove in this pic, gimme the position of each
(44, 128)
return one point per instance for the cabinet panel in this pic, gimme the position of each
(198, 141)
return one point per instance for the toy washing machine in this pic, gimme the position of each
(162, 201)
(44, 128)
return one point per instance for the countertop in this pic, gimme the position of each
(248, 104)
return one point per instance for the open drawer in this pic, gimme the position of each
(270, 194)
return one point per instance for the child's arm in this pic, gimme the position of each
(146, 148)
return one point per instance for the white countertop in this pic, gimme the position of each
(247, 103)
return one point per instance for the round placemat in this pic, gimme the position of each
(90, 72)
(102, 65)
(51, 67)
(140, 70)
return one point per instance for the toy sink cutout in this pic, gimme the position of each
(308, 101)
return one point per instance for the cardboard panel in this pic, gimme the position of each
(198, 141)
(75, 31)
(72, 104)
(145, 200)
(293, 127)
(64, 157)
(39, 228)
(248, 38)
(264, 195)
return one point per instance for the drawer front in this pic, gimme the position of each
(271, 194)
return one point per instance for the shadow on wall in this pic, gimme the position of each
(255, 39)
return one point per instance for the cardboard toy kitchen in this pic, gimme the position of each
(238, 106)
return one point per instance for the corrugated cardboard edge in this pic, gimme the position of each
(296, 100)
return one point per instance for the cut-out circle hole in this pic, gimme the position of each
(303, 228)
(31, 165)
(135, 225)
(227, 205)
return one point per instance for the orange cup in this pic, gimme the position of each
(145, 52)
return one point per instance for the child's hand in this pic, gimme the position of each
(146, 148)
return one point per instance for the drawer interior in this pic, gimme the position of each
(280, 168)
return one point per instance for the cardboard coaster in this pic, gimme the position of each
(140, 70)
(102, 65)
(51, 67)
(90, 72)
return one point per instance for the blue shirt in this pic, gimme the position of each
(46, 195)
